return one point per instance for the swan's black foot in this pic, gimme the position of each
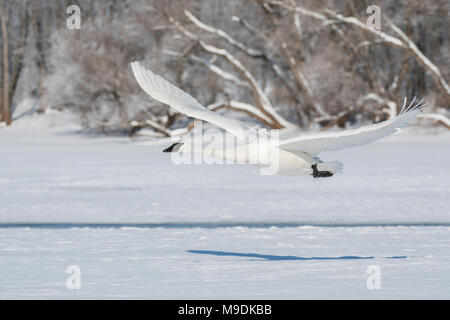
(320, 174)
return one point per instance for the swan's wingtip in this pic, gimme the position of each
(418, 106)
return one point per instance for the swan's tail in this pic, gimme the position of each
(333, 166)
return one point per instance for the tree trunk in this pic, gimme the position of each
(38, 27)
(5, 113)
(20, 52)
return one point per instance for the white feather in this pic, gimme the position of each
(165, 92)
(330, 141)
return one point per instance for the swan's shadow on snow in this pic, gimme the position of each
(274, 257)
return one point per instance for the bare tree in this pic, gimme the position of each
(402, 41)
(6, 114)
(282, 64)
(12, 52)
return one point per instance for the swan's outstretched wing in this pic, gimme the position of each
(165, 92)
(331, 141)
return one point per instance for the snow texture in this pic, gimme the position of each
(139, 226)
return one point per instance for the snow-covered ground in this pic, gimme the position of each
(139, 226)
(239, 262)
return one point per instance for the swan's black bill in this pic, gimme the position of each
(174, 148)
(320, 174)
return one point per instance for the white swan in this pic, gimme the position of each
(294, 156)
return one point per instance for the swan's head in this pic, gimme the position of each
(176, 147)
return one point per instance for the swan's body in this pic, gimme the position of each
(260, 153)
(292, 156)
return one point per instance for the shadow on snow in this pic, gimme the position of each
(274, 257)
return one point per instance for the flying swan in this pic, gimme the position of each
(295, 155)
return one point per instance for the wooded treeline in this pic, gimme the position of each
(305, 63)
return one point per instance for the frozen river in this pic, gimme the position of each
(138, 226)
